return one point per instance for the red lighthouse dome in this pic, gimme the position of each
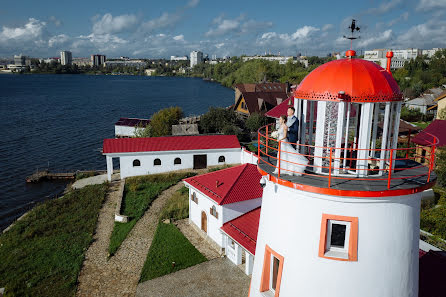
(355, 80)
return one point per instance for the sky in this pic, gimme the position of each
(159, 29)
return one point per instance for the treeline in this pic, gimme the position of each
(421, 74)
(256, 71)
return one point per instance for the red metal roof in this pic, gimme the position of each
(230, 185)
(280, 109)
(244, 229)
(436, 128)
(169, 143)
(361, 80)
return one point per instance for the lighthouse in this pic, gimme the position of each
(349, 224)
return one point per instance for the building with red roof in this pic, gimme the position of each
(126, 127)
(222, 196)
(141, 156)
(425, 140)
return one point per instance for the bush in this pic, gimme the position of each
(162, 121)
(216, 119)
(255, 121)
(411, 115)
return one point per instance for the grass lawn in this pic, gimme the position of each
(422, 125)
(177, 206)
(169, 245)
(42, 254)
(139, 193)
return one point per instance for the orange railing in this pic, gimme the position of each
(269, 149)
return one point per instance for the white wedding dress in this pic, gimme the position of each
(291, 162)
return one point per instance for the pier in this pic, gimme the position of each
(46, 174)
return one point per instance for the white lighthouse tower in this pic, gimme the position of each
(349, 225)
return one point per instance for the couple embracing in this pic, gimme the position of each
(291, 162)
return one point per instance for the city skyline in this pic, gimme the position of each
(159, 30)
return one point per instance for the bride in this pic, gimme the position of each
(291, 162)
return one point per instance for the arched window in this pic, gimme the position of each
(157, 162)
(221, 159)
(177, 161)
(136, 163)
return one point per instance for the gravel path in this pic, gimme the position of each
(214, 278)
(119, 275)
(93, 180)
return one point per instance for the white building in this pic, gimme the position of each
(125, 63)
(150, 72)
(431, 52)
(196, 57)
(98, 60)
(66, 58)
(141, 156)
(126, 127)
(176, 58)
(217, 199)
(342, 228)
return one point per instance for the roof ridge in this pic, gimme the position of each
(236, 180)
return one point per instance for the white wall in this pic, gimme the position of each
(248, 157)
(232, 156)
(124, 131)
(204, 204)
(388, 237)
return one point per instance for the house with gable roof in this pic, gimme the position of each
(221, 196)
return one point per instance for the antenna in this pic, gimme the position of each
(353, 27)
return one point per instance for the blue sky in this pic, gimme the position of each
(154, 29)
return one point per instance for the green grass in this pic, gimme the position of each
(139, 193)
(42, 254)
(433, 216)
(169, 245)
(177, 207)
(422, 125)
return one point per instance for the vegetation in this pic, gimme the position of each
(216, 119)
(161, 123)
(255, 121)
(417, 75)
(177, 206)
(42, 254)
(411, 115)
(433, 216)
(139, 193)
(170, 251)
(255, 71)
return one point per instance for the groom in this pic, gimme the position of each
(293, 126)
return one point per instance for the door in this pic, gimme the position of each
(200, 161)
(204, 222)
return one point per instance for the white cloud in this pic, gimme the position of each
(58, 40)
(376, 40)
(403, 17)
(30, 31)
(236, 26)
(179, 37)
(55, 21)
(385, 6)
(111, 25)
(427, 35)
(327, 27)
(427, 5)
(164, 21)
(193, 3)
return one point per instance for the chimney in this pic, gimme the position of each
(389, 56)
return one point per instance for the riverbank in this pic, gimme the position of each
(54, 236)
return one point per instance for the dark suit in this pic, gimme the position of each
(293, 130)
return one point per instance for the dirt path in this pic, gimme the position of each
(119, 275)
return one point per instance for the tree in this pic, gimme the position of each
(141, 131)
(216, 119)
(162, 121)
(255, 121)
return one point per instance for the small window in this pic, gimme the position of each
(271, 272)
(339, 238)
(194, 198)
(232, 243)
(136, 163)
(221, 159)
(157, 162)
(213, 211)
(177, 161)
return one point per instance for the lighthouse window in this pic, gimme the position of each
(339, 238)
(271, 273)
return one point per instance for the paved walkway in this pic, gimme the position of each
(214, 278)
(93, 180)
(200, 243)
(119, 275)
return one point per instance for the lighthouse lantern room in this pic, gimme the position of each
(349, 224)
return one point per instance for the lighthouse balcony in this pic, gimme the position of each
(346, 170)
